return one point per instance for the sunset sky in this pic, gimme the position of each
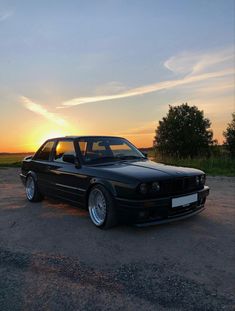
(111, 67)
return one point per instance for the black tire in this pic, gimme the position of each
(35, 195)
(110, 219)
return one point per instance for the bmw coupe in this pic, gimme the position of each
(113, 180)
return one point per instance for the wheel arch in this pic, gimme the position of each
(32, 173)
(38, 195)
(96, 182)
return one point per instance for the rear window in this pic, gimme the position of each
(44, 153)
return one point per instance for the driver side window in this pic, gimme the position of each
(62, 148)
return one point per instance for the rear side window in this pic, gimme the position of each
(44, 153)
(63, 147)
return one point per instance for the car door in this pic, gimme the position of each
(66, 177)
(41, 166)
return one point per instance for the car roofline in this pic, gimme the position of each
(83, 136)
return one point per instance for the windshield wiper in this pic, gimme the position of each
(101, 159)
(113, 158)
(129, 157)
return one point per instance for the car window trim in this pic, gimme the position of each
(78, 152)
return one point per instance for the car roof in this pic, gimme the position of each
(82, 136)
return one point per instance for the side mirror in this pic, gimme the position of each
(69, 158)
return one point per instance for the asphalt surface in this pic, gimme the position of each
(53, 258)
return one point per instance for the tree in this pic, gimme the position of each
(184, 132)
(229, 135)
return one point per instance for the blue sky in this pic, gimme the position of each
(79, 55)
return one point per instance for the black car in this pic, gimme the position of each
(113, 180)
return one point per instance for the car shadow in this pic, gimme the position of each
(52, 208)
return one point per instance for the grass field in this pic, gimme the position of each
(211, 166)
(214, 165)
(220, 165)
(12, 160)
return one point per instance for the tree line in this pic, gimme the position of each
(185, 132)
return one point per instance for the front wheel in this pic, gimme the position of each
(32, 192)
(101, 208)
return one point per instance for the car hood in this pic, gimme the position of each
(147, 170)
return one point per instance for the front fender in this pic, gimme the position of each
(106, 183)
(116, 188)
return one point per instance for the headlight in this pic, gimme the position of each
(203, 179)
(155, 186)
(143, 188)
(198, 180)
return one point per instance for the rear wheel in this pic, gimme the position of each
(101, 208)
(32, 192)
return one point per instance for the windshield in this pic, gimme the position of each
(98, 149)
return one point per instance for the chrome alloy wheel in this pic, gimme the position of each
(97, 207)
(30, 188)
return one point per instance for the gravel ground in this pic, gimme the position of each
(53, 258)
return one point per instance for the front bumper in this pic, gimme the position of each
(158, 211)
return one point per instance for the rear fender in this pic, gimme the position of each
(33, 174)
(28, 158)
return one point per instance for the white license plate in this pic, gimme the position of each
(185, 200)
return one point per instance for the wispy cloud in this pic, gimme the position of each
(169, 84)
(5, 15)
(110, 88)
(38, 109)
(192, 63)
(191, 66)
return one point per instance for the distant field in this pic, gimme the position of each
(12, 159)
